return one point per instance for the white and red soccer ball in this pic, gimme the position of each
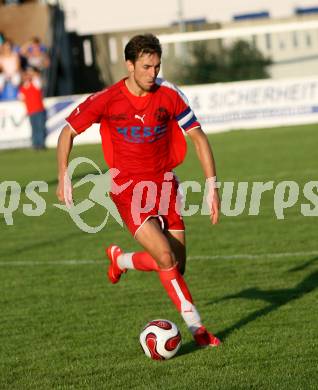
(160, 339)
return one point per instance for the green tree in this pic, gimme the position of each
(202, 66)
(241, 61)
(246, 62)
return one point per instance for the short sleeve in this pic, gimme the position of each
(184, 114)
(88, 112)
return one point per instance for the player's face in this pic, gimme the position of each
(145, 71)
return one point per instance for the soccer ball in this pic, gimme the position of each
(160, 339)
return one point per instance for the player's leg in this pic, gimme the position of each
(159, 251)
(156, 244)
(143, 261)
(151, 237)
(176, 239)
(175, 228)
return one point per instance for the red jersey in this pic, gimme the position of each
(32, 97)
(141, 136)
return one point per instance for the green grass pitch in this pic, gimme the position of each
(63, 326)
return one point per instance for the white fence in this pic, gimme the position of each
(219, 107)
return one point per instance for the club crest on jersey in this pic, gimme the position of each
(142, 134)
(162, 115)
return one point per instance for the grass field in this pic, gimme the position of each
(254, 279)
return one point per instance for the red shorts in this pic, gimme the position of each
(144, 199)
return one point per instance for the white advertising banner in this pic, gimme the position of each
(255, 104)
(219, 107)
(15, 129)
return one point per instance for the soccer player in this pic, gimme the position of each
(140, 125)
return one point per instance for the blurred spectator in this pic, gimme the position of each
(36, 54)
(31, 95)
(10, 71)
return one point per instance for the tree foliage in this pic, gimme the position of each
(241, 61)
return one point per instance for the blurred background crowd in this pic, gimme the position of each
(17, 59)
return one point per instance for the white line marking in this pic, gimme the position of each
(254, 256)
(49, 262)
(248, 256)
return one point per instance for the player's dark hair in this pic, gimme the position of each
(142, 44)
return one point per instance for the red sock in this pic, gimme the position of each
(142, 261)
(175, 286)
(179, 294)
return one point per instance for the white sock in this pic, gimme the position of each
(192, 319)
(188, 311)
(125, 261)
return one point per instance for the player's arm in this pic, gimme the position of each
(206, 158)
(64, 147)
(189, 123)
(80, 119)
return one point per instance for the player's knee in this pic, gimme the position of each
(166, 260)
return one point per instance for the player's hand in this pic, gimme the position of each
(215, 212)
(64, 190)
(213, 201)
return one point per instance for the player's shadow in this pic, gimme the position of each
(275, 298)
(304, 265)
(188, 347)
